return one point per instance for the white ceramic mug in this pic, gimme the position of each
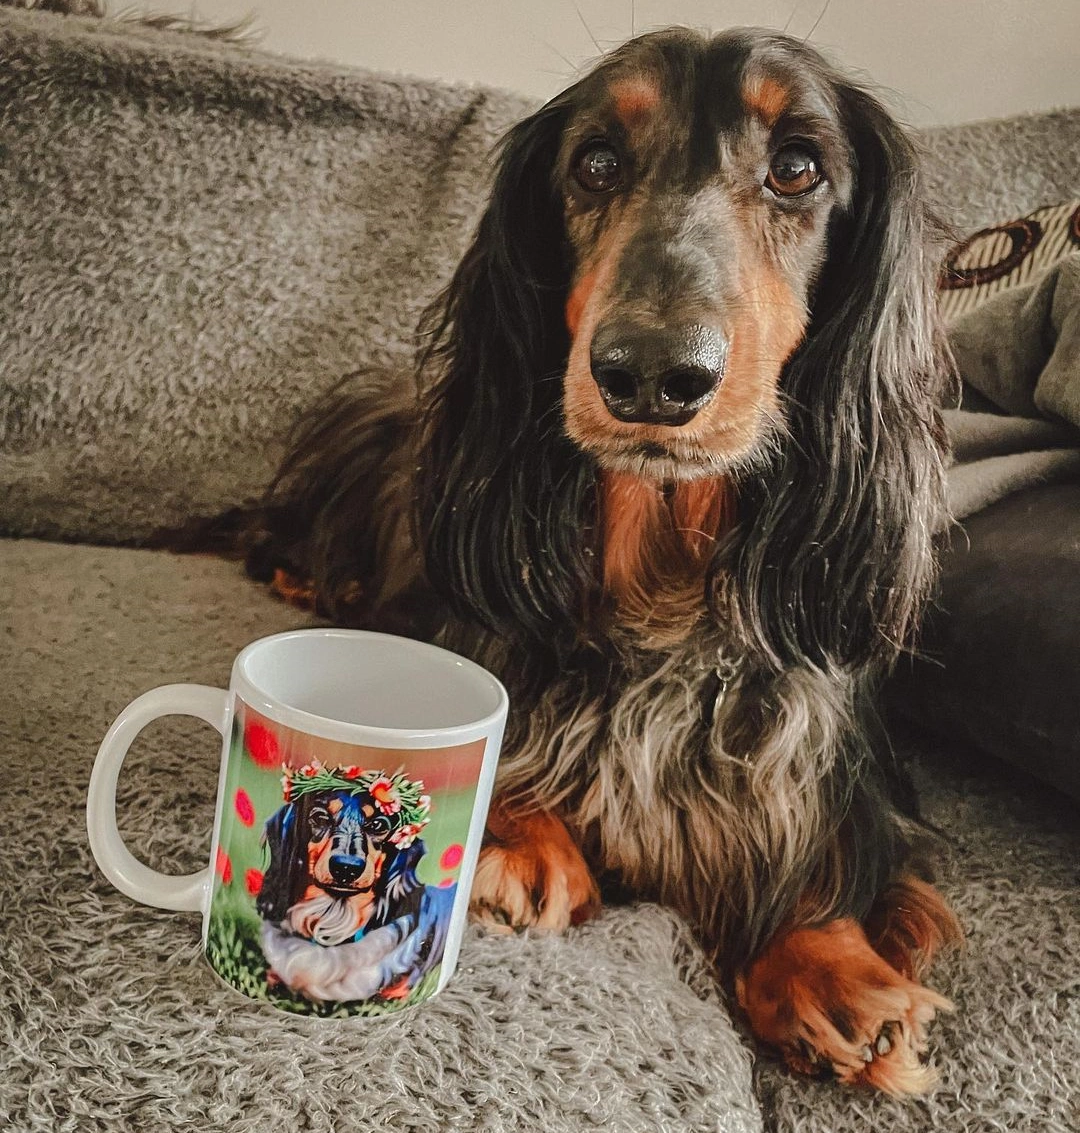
(356, 773)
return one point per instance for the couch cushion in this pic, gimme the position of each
(981, 173)
(999, 657)
(197, 240)
(1007, 254)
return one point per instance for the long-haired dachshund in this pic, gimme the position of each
(670, 464)
(345, 916)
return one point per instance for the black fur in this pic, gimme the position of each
(465, 513)
(502, 489)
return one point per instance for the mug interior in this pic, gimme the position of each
(372, 680)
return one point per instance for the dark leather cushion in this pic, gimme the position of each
(999, 661)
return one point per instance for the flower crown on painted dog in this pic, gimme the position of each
(400, 799)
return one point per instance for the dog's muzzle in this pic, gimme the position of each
(657, 377)
(346, 868)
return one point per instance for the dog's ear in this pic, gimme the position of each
(504, 494)
(836, 557)
(398, 879)
(285, 842)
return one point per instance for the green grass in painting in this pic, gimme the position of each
(233, 948)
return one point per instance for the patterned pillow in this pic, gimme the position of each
(1007, 255)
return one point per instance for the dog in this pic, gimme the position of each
(671, 464)
(345, 916)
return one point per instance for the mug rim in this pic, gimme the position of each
(359, 733)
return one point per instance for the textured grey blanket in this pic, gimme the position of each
(1020, 353)
(110, 1022)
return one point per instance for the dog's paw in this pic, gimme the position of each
(293, 589)
(830, 1004)
(531, 875)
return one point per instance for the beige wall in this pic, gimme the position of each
(940, 60)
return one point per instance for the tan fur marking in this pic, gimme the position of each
(575, 304)
(632, 516)
(909, 924)
(824, 998)
(656, 550)
(766, 98)
(702, 510)
(634, 99)
(315, 852)
(294, 590)
(531, 873)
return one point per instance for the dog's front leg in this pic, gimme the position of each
(531, 873)
(835, 996)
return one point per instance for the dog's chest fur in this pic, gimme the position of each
(710, 816)
(693, 812)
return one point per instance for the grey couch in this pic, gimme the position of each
(194, 242)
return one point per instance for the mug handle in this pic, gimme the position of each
(114, 859)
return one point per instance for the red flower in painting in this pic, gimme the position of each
(385, 795)
(223, 866)
(245, 809)
(253, 880)
(351, 772)
(451, 857)
(404, 836)
(262, 745)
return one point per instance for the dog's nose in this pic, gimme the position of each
(657, 377)
(346, 868)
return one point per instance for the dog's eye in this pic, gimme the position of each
(794, 170)
(378, 827)
(597, 168)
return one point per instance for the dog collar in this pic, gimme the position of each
(714, 690)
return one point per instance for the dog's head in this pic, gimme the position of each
(697, 181)
(706, 261)
(341, 843)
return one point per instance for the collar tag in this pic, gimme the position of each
(716, 687)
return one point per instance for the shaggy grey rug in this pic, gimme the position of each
(110, 1020)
